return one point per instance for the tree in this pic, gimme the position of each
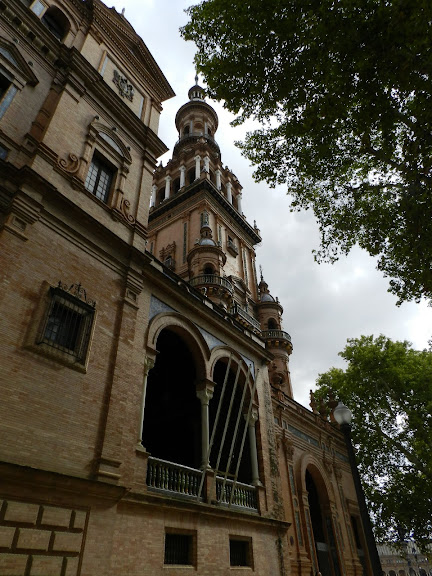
(388, 387)
(343, 92)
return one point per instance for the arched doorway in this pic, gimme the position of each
(322, 527)
(172, 416)
(239, 455)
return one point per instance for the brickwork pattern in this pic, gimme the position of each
(39, 540)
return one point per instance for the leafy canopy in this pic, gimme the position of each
(388, 387)
(343, 91)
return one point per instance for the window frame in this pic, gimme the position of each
(74, 298)
(102, 165)
(190, 535)
(247, 542)
(15, 70)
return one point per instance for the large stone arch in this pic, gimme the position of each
(238, 454)
(318, 505)
(174, 428)
(225, 352)
(188, 331)
(309, 462)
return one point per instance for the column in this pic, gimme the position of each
(153, 196)
(182, 176)
(197, 167)
(167, 187)
(148, 365)
(218, 179)
(252, 447)
(229, 193)
(239, 199)
(206, 164)
(205, 395)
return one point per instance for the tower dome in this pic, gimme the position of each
(196, 119)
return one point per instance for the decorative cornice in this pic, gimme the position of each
(194, 189)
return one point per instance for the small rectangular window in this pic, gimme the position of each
(179, 549)
(99, 179)
(240, 552)
(67, 325)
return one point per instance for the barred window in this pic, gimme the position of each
(179, 549)
(67, 324)
(240, 552)
(99, 178)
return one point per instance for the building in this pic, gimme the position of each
(147, 418)
(408, 562)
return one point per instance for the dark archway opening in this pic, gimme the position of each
(325, 544)
(56, 22)
(172, 417)
(272, 324)
(190, 176)
(245, 470)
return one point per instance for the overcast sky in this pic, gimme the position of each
(323, 304)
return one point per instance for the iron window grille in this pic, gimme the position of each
(99, 179)
(240, 552)
(67, 323)
(178, 549)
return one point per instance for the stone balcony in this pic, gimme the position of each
(276, 338)
(213, 285)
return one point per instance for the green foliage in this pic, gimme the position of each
(388, 387)
(343, 91)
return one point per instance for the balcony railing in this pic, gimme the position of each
(246, 317)
(212, 280)
(275, 335)
(244, 495)
(167, 476)
(195, 135)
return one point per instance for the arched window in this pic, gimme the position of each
(186, 130)
(56, 22)
(172, 417)
(239, 456)
(209, 269)
(272, 324)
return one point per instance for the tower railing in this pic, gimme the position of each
(212, 279)
(195, 135)
(275, 335)
(236, 310)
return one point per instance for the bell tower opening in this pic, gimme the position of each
(172, 417)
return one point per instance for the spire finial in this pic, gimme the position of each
(196, 79)
(261, 274)
(123, 11)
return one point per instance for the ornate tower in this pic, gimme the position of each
(277, 340)
(197, 227)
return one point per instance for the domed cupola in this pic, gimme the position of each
(196, 92)
(196, 120)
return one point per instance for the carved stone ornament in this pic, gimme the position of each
(124, 209)
(285, 442)
(124, 87)
(71, 165)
